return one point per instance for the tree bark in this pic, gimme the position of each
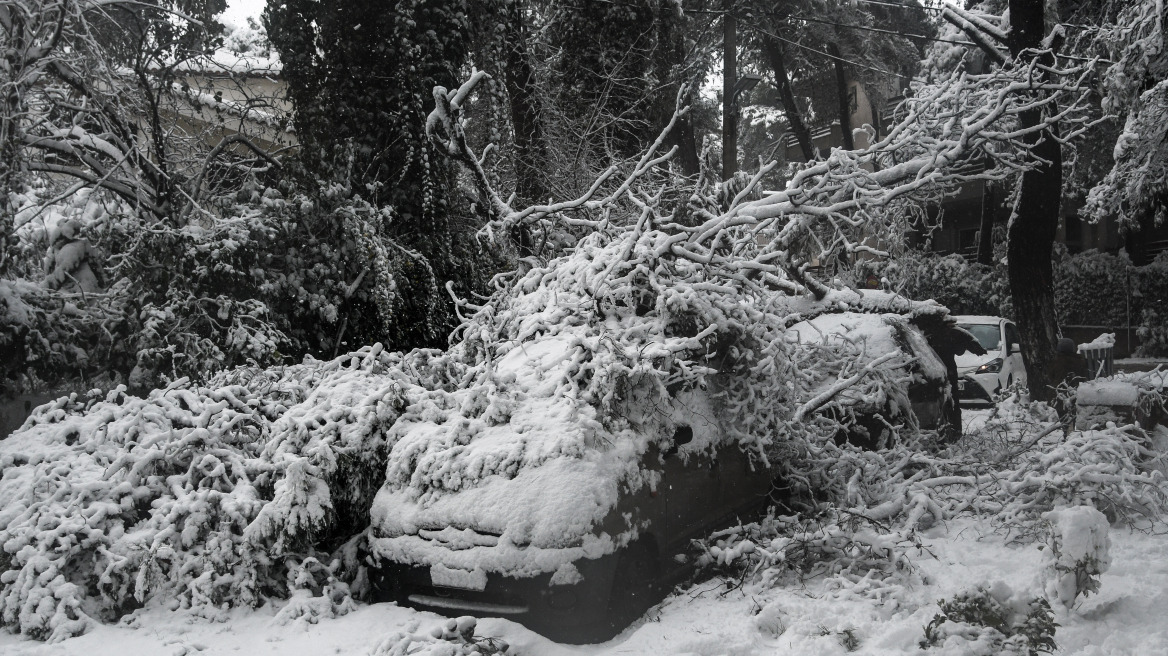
(729, 80)
(8, 173)
(528, 151)
(985, 235)
(774, 53)
(1034, 222)
(9, 138)
(669, 62)
(841, 90)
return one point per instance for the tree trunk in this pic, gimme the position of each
(774, 52)
(669, 62)
(985, 235)
(685, 138)
(8, 173)
(10, 105)
(729, 80)
(841, 90)
(1034, 222)
(528, 153)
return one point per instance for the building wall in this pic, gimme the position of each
(221, 103)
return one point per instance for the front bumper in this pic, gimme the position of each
(978, 387)
(575, 612)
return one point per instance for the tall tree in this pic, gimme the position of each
(615, 69)
(84, 91)
(816, 49)
(1035, 217)
(361, 75)
(1134, 190)
(1032, 227)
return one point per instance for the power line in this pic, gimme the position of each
(719, 12)
(883, 31)
(826, 54)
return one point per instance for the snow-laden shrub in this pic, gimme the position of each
(1076, 554)
(989, 622)
(274, 274)
(780, 549)
(453, 637)
(962, 286)
(1093, 288)
(251, 488)
(47, 336)
(1152, 281)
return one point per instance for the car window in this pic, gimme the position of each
(1012, 334)
(989, 336)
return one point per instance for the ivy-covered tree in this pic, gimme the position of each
(361, 75)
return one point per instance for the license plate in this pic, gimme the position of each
(442, 576)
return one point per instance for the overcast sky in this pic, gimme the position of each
(239, 10)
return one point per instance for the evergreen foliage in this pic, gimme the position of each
(361, 75)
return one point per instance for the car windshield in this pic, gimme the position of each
(988, 335)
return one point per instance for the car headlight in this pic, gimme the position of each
(991, 367)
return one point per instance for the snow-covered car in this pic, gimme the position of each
(518, 500)
(530, 548)
(980, 377)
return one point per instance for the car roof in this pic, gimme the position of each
(978, 319)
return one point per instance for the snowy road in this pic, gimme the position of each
(1125, 618)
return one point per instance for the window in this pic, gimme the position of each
(988, 335)
(1012, 336)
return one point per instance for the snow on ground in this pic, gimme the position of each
(1126, 617)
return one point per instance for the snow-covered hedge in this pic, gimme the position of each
(1153, 329)
(960, 285)
(248, 488)
(1094, 289)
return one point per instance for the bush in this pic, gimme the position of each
(1077, 553)
(1152, 283)
(951, 280)
(278, 275)
(991, 622)
(1092, 288)
(255, 487)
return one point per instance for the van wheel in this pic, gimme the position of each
(636, 585)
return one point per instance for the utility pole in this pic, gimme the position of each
(729, 104)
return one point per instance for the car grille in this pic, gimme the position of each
(457, 539)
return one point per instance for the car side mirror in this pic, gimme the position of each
(1015, 348)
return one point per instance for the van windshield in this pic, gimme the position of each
(989, 336)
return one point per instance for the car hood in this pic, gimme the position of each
(522, 478)
(969, 361)
(538, 521)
